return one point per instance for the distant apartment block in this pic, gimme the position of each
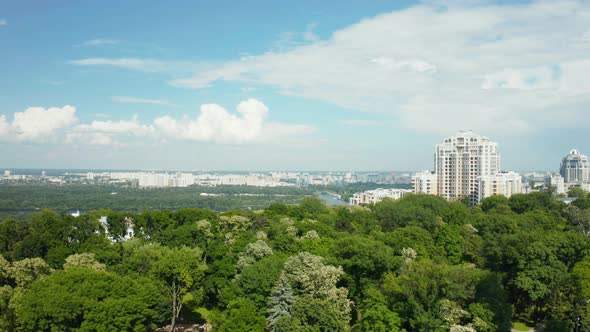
(425, 182)
(467, 165)
(460, 160)
(505, 184)
(377, 195)
(557, 182)
(574, 168)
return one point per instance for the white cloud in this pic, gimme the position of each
(3, 22)
(440, 68)
(37, 123)
(132, 127)
(99, 42)
(108, 132)
(5, 128)
(290, 39)
(147, 65)
(133, 100)
(412, 64)
(215, 124)
(229, 72)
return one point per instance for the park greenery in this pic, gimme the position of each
(417, 264)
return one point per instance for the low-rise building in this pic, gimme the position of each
(503, 183)
(377, 195)
(557, 182)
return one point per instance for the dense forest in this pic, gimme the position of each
(416, 264)
(18, 198)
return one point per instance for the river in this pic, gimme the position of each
(330, 200)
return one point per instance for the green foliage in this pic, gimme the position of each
(257, 281)
(308, 274)
(539, 271)
(85, 260)
(451, 243)
(178, 272)
(414, 237)
(521, 203)
(582, 203)
(88, 300)
(253, 253)
(363, 260)
(243, 315)
(311, 207)
(375, 314)
(393, 214)
(492, 202)
(416, 264)
(578, 219)
(15, 279)
(416, 293)
(577, 192)
(313, 314)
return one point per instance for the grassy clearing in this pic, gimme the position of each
(521, 326)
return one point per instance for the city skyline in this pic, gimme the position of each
(331, 86)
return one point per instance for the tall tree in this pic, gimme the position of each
(280, 303)
(181, 271)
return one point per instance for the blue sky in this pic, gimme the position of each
(257, 85)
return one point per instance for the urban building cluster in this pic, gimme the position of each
(154, 179)
(467, 165)
(574, 172)
(267, 179)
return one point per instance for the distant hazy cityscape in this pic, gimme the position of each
(168, 179)
(466, 165)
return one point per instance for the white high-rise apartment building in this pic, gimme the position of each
(574, 168)
(505, 184)
(459, 162)
(425, 182)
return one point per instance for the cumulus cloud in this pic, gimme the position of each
(440, 68)
(37, 123)
(133, 100)
(108, 132)
(215, 124)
